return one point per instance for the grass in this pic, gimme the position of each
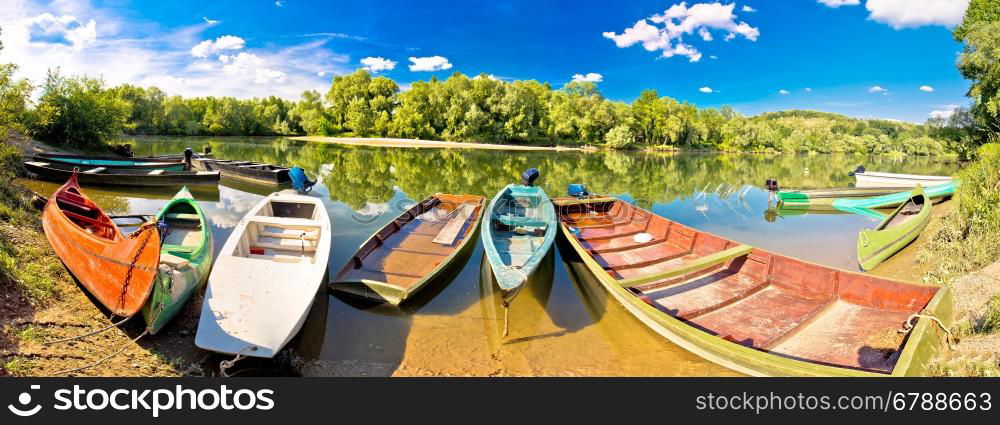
(15, 366)
(967, 368)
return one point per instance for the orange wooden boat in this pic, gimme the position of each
(116, 269)
(751, 310)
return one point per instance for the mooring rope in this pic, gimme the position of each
(908, 326)
(109, 357)
(226, 364)
(74, 338)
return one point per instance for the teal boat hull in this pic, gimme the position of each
(895, 199)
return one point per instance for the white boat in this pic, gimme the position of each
(266, 277)
(874, 179)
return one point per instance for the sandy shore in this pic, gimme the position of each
(413, 143)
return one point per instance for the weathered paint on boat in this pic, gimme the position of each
(895, 232)
(816, 197)
(185, 260)
(406, 255)
(248, 171)
(740, 330)
(894, 200)
(112, 162)
(871, 178)
(117, 270)
(520, 230)
(91, 175)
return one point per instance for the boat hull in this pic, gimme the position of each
(875, 179)
(117, 270)
(251, 172)
(877, 245)
(121, 177)
(730, 350)
(112, 162)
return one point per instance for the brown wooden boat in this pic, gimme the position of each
(414, 249)
(748, 309)
(117, 270)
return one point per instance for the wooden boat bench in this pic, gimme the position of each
(95, 170)
(698, 264)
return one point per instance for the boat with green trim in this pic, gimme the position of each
(790, 198)
(895, 232)
(751, 310)
(186, 254)
(941, 191)
(520, 232)
(110, 162)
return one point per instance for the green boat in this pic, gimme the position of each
(895, 232)
(823, 197)
(895, 199)
(522, 227)
(114, 163)
(185, 260)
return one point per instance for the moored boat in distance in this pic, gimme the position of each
(110, 162)
(939, 192)
(866, 178)
(751, 310)
(118, 270)
(98, 175)
(266, 277)
(186, 254)
(246, 170)
(520, 229)
(822, 197)
(895, 232)
(414, 249)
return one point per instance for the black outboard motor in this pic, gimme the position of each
(529, 176)
(208, 150)
(772, 191)
(859, 170)
(188, 155)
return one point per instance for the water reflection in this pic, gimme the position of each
(563, 326)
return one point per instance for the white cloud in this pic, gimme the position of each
(590, 77)
(279, 3)
(430, 63)
(809, 89)
(927, 89)
(783, 92)
(209, 47)
(376, 64)
(210, 21)
(321, 74)
(680, 20)
(901, 14)
(748, 9)
(838, 3)
(266, 75)
(706, 89)
(877, 89)
(945, 113)
(713, 57)
(65, 29)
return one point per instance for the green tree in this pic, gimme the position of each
(79, 112)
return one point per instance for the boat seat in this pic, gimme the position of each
(155, 172)
(87, 220)
(71, 203)
(95, 170)
(172, 260)
(521, 221)
(183, 216)
(700, 263)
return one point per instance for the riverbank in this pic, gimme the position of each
(435, 144)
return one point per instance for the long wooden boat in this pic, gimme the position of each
(111, 162)
(96, 175)
(895, 232)
(414, 249)
(266, 277)
(871, 178)
(857, 197)
(520, 232)
(118, 270)
(939, 192)
(185, 259)
(751, 310)
(245, 170)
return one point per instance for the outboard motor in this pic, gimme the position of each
(188, 156)
(577, 190)
(772, 190)
(529, 176)
(207, 150)
(859, 170)
(300, 182)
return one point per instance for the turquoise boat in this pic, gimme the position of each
(522, 226)
(112, 162)
(186, 254)
(894, 199)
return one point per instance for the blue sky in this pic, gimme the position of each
(866, 58)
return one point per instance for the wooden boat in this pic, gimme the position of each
(414, 249)
(245, 170)
(520, 231)
(751, 310)
(118, 270)
(871, 178)
(111, 162)
(89, 175)
(939, 192)
(895, 232)
(266, 277)
(185, 259)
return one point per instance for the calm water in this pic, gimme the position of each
(562, 326)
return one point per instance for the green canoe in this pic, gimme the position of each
(895, 199)
(185, 260)
(896, 231)
(822, 197)
(521, 229)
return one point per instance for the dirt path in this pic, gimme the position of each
(412, 143)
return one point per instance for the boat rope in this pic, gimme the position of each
(226, 364)
(506, 309)
(106, 358)
(908, 326)
(74, 338)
